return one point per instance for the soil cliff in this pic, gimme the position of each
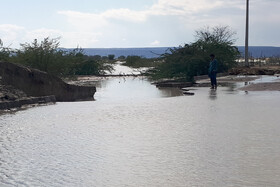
(36, 83)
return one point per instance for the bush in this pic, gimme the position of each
(137, 62)
(5, 52)
(193, 59)
(111, 57)
(47, 56)
(121, 58)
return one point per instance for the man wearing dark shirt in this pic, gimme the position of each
(213, 71)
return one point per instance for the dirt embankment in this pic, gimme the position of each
(265, 70)
(20, 85)
(11, 97)
(10, 93)
(268, 86)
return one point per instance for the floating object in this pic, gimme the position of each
(188, 93)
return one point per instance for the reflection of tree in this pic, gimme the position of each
(170, 92)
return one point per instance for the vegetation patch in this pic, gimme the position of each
(192, 59)
(49, 57)
(138, 62)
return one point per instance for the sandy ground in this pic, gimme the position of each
(252, 86)
(262, 86)
(237, 78)
(268, 86)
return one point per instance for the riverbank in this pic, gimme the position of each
(20, 86)
(135, 134)
(251, 83)
(264, 70)
(268, 86)
(11, 97)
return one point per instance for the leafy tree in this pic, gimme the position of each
(97, 57)
(111, 57)
(44, 55)
(217, 34)
(122, 57)
(137, 62)
(5, 52)
(193, 59)
(47, 56)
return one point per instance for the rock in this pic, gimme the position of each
(10, 96)
(254, 71)
(188, 93)
(29, 101)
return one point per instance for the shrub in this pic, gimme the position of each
(137, 62)
(47, 56)
(193, 59)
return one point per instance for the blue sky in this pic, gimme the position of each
(134, 23)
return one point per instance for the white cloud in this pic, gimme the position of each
(155, 43)
(10, 28)
(182, 7)
(172, 22)
(125, 15)
(81, 39)
(42, 33)
(14, 35)
(115, 24)
(162, 7)
(82, 21)
(10, 33)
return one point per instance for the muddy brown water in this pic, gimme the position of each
(137, 135)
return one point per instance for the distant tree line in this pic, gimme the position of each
(138, 61)
(183, 62)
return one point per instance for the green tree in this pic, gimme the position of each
(5, 52)
(49, 57)
(111, 57)
(45, 56)
(137, 62)
(193, 59)
(121, 58)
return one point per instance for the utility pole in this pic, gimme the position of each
(246, 35)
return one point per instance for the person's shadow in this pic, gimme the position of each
(213, 94)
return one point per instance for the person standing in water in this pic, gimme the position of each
(213, 71)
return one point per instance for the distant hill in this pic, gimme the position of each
(255, 51)
(152, 52)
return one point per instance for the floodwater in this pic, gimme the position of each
(134, 134)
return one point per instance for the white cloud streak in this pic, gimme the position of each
(161, 8)
(155, 43)
(159, 22)
(119, 19)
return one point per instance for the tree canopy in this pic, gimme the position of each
(193, 59)
(47, 56)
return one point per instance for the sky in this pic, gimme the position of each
(134, 23)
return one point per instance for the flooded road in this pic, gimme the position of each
(137, 135)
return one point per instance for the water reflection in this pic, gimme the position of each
(131, 137)
(120, 88)
(213, 94)
(170, 92)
